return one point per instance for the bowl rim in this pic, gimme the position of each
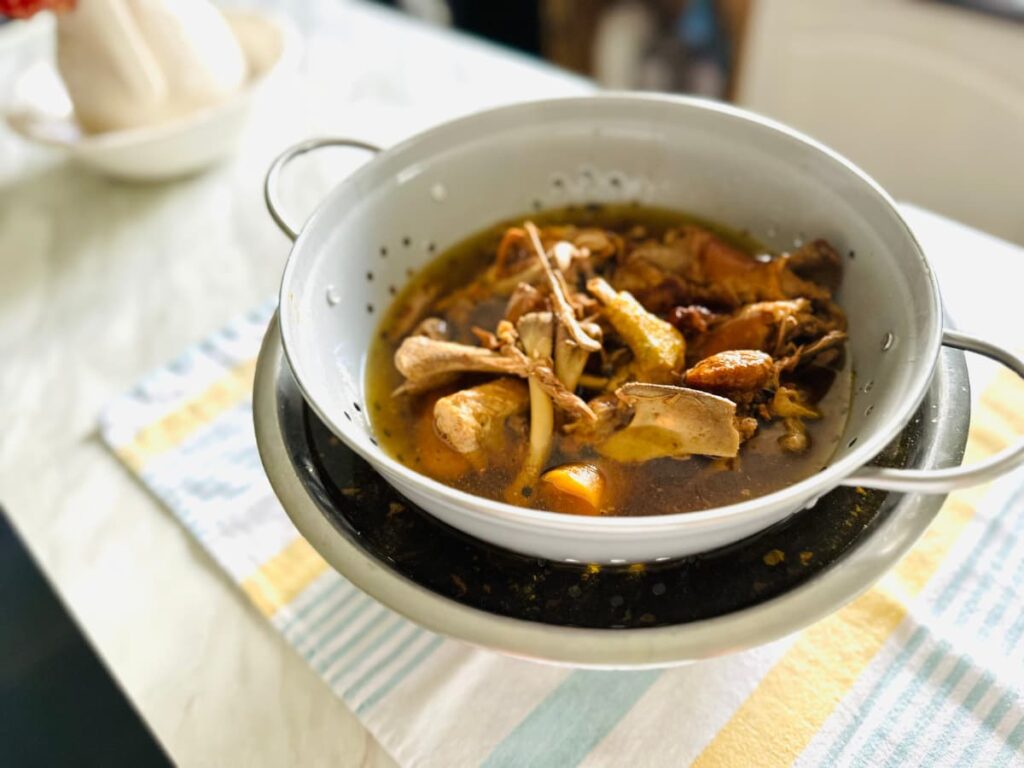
(849, 576)
(489, 509)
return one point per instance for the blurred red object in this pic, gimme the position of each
(22, 9)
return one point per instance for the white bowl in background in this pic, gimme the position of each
(42, 113)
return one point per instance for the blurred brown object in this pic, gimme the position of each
(568, 28)
(567, 32)
(734, 15)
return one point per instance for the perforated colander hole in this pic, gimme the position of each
(887, 341)
(587, 174)
(369, 277)
(868, 385)
(406, 241)
(851, 443)
(537, 205)
(358, 407)
(383, 252)
(615, 180)
(869, 410)
(558, 182)
(332, 295)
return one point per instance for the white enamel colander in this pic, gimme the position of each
(412, 201)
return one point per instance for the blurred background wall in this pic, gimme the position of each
(926, 95)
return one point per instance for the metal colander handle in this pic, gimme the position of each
(954, 478)
(270, 185)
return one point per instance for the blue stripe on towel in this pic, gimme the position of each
(572, 720)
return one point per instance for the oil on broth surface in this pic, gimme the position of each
(404, 425)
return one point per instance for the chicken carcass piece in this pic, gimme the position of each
(693, 264)
(433, 328)
(560, 304)
(525, 298)
(515, 260)
(429, 363)
(818, 262)
(673, 421)
(473, 419)
(611, 414)
(766, 326)
(658, 349)
(818, 351)
(426, 362)
(536, 333)
(570, 357)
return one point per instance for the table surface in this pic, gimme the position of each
(106, 281)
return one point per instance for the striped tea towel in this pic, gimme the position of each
(925, 669)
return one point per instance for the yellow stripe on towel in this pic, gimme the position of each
(284, 576)
(175, 427)
(793, 700)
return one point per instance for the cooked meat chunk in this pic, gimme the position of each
(414, 307)
(433, 328)
(692, 264)
(472, 420)
(821, 351)
(514, 253)
(818, 262)
(611, 413)
(764, 326)
(600, 244)
(691, 320)
(525, 298)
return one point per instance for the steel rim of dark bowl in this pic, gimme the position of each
(614, 597)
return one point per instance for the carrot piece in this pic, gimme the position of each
(575, 489)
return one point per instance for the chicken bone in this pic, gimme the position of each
(541, 369)
(423, 361)
(673, 421)
(563, 309)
